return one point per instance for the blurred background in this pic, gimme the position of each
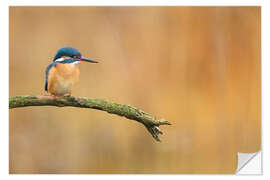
(198, 67)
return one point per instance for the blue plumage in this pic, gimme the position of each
(67, 51)
(47, 74)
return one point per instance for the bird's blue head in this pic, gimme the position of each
(71, 53)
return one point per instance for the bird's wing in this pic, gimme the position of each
(47, 74)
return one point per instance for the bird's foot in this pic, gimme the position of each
(53, 96)
(67, 95)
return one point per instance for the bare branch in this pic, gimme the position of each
(127, 111)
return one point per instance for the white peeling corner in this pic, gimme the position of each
(249, 163)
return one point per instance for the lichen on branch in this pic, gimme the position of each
(127, 111)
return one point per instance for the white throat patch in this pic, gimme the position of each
(76, 62)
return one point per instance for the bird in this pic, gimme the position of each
(62, 74)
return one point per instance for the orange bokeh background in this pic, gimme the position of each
(198, 67)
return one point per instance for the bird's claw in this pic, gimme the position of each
(67, 95)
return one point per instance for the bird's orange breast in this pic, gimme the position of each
(62, 78)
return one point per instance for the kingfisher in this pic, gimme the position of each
(62, 74)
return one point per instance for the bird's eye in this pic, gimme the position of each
(76, 57)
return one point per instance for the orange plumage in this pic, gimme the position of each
(62, 78)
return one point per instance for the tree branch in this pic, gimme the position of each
(127, 111)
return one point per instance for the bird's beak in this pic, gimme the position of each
(87, 60)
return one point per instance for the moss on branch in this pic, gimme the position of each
(127, 111)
